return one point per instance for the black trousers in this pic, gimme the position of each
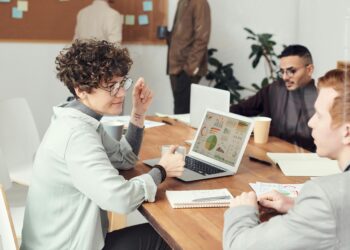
(181, 87)
(137, 237)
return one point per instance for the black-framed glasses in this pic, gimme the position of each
(290, 71)
(125, 83)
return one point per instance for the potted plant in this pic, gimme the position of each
(263, 47)
(223, 76)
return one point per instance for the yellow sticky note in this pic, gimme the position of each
(22, 5)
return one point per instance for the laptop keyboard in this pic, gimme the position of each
(201, 167)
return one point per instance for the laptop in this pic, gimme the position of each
(218, 147)
(203, 97)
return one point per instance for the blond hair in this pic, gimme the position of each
(339, 80)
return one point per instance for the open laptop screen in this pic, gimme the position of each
(221, 138)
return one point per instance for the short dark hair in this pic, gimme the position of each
(86, 63)
(297, 50)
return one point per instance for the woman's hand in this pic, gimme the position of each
(172, 162)
(277, 201)
(141, 97)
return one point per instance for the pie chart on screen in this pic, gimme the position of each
(211, 141)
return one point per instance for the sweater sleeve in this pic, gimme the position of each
(134, 136)
(254, 105)
(93, 174)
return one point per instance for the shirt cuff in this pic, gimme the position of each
(156, 175)
(149, 187)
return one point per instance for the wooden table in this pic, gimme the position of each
(201, 228)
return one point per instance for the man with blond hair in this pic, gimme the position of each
(318, 218)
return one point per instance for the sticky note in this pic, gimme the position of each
(16, 13)
(143, 20)
(129, 20)
(147, 6)
(22, 5)
(5, 1)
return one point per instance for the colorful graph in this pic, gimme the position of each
(211, 141)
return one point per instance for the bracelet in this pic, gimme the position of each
(162, 171)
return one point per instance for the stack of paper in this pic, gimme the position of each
(125, 119)
(291, 190)
(304, 164)
(185, 118)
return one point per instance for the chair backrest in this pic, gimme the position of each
(7, 231)
(19, 138)
(4, 173)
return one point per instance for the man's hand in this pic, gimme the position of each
(248, 199)
(277, 201)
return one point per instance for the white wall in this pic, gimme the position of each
(324, 29)
(27, 69)
(229, 17)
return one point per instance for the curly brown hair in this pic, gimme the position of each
(86, 63)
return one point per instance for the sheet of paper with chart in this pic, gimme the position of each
(291, 190)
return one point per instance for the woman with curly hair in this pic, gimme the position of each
(75, 175)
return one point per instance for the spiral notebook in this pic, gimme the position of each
(199, 198)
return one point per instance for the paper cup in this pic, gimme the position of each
(180, 150)
(114, 129)
(261, 129)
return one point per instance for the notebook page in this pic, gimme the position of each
(199, 198)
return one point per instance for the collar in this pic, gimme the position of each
(306, 87)
(83, 108)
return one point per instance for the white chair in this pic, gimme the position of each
(19, 138)
(7, 232)
(5, 180)
(16, 197)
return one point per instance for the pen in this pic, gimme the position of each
(166, 122)
(214, 198)
(252, 158)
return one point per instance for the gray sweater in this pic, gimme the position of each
(318, 220)
(75, 181)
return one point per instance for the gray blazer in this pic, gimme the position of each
(318, 220)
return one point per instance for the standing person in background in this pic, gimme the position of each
(188, 50)
(99, 21)
(318, 218)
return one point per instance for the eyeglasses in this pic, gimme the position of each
(125, 83)
(289, 71)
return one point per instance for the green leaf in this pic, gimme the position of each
(251, 38)
(264, 82)
(255, 86)
(249, 31)
(257, 59)
(213, 61)
(229, 65)
(211, 51)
